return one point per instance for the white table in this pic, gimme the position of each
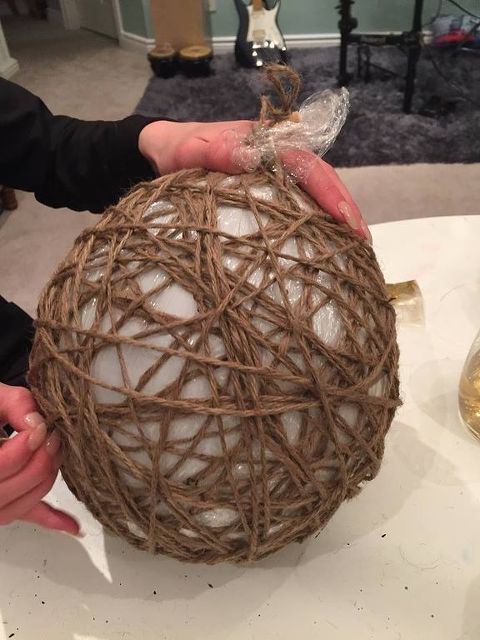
(402, 560)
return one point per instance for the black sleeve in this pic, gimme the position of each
(67, 162)
(16, 336)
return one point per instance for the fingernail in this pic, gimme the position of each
(366, 231)
(350, 218)
(37, 436)
(80, 534)
(33, 419)
(53, 444)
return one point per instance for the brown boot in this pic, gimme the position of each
(9, 199)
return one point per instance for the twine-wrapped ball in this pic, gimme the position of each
(220, 360)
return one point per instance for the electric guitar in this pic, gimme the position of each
(259, 39)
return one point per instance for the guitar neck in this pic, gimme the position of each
(257, 5)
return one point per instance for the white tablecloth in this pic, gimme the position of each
(402, 560)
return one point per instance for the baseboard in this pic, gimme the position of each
(222, 44)
(225, 44)
(54, 16)
(132, 42)
(8, 68)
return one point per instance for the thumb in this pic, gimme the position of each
(17, 406)
(229, 153)
(48, 517)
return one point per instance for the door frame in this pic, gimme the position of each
(8, 65)
(71, 15)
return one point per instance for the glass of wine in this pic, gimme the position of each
(469, 390)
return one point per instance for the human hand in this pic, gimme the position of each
(217, 146)
(29, 464)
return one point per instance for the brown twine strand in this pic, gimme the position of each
(286, 83)
(274, 369)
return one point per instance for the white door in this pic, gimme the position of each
(98, 16)
(8, 65)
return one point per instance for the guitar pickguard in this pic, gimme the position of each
(262, 27)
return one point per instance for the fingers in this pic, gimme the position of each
(50, 518)
(29, 464)
(17, 508)
(18, 408)
(322, 183)
(219, 146)
(25, 478)
(227, 151)
(43, 465)
(15, 404)
(171, 146)
(17, 452)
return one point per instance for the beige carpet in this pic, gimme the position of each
(87, 76)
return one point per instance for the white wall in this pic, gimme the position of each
(8, 65)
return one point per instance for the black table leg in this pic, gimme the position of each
(413, 56)
(346, 25)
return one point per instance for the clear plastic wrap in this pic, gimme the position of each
(314, 127)
(407, 300)
(308, 132)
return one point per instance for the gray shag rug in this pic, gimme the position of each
(377, 131)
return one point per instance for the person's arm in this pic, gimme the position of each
(16, 336)
(218, 146)
(88, 165)
(67, 162)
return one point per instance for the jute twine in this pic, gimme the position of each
(276, 368)
(285, 83)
